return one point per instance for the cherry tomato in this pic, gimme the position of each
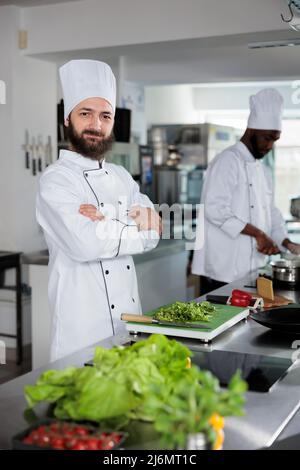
(42, 429)
(100, 444)
(34, 436)
(69, 433)
(70, 442)
(81, 431)
(28, 440)
(57, 443)
(66, 435)
(92, 444)
(44, 440)
(115, 437)
(108, 444)
(54, 427)
(80, 445)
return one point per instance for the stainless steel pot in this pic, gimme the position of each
(285, 270)
(295, 206)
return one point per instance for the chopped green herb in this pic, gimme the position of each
(186, 312)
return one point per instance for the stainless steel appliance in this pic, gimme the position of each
(127, 155)
(158, 140)
(295, 206)
(211, 137)
(146, 166)
(286, 271)
(178, 185)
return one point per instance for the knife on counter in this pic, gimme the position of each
(150, 320)
(218, 299)
(255, 302)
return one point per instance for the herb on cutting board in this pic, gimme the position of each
(186, 312)
(152, 380)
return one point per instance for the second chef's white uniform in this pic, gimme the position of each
(237, 190)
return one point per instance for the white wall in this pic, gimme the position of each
(7, 199)
(99, 23)
(133, 97)
(34, 93)
(170, 105)
(210, 103)
(31, 104)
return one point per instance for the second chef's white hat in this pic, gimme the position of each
(266, 110)
(82, 79)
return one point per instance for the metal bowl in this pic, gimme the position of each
(285, 270)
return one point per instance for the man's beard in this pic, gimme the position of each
(255, 151)
(93, 149)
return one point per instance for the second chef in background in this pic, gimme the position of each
(242, 224)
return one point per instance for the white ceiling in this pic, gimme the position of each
(32, 3)
(201, 60)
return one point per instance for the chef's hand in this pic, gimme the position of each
(90, 211)
(146, 218)
(266, 245)
(293, 248)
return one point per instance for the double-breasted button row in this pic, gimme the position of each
(107, 271)
(113, 306)
(86, 174)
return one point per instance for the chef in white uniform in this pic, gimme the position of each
(241, 224)
(93, 217)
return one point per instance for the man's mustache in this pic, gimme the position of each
(92, 132)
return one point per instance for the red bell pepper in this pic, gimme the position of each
(240, 298)
(241, 294)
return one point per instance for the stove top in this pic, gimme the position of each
(260, 372)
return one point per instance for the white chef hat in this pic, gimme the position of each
(266, 110)
(82, 79)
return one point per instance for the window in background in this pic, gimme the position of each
(287, 165)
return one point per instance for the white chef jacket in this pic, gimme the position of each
(237, 190)
(92, 278)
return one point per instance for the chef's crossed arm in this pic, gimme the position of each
(142, 213)
(81, 239)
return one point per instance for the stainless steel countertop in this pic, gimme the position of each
(267, 414)
(164, 248)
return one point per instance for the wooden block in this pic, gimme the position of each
(278, 301)
(265, 288)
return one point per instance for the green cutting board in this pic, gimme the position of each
(221, 316)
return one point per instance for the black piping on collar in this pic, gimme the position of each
(84, 175)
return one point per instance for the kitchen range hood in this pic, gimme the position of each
(278, 43)
(291, 17)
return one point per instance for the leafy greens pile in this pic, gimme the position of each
(139, 382)
(186, 312)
